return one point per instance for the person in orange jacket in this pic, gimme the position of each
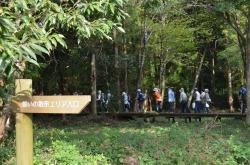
(158, 100)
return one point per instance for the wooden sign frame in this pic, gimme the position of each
(66, 104)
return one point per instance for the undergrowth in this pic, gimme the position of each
(98, 140)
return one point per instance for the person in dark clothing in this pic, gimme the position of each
(100, 101)
(243, 97)
(126, 102)
(141, 98)
(108, 100)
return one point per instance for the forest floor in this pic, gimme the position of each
(101, 140)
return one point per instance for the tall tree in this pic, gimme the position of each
(117, 68)
(237, 15)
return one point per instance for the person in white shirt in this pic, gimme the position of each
(126, 102)
(197, 100)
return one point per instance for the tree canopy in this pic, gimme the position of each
(149, 43)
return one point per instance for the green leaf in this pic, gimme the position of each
(39, 48)
(48, 45)
(87, 30)
(7, 24)
(29, 51)
(59, 38)
(112, 8)
(4, 63)
(121, 29)
(31, 60)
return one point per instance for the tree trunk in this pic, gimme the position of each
(162, 76)
(142, 52)
(212, 66)
(197, 77)
(125, 56)
(61, 83)
(93, 85)
(106, 73)
(248, 68)
(230, 93)
(156, 70)
(243, 42)
(117, 70)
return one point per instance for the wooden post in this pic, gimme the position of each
(24, 126)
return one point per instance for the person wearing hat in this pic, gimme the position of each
(183, 101)
(126, 102)
(158, 99)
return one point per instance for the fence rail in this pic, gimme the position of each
(187, 116)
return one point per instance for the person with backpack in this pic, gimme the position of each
(141, 97)
(184, 101)
(108, 100)
(158, 99)
(126, 102)
(243, 97)
(208, 100)
(203, 101)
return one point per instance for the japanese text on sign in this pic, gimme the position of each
(51, 104)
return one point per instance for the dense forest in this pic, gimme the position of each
(78, 46)
(69, 47)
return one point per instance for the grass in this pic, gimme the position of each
(99, 140)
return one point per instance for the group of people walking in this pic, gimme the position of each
(200, 103)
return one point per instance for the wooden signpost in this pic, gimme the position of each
(50, 104)
(25, 105)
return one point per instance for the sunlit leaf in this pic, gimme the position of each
(121, 29)
(39, 48)
(29, 51)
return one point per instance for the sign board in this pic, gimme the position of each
(66, 104)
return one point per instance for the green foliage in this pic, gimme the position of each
(23, 36)
(64, 153)
(31, 28)
(7, 151)
(111, 142)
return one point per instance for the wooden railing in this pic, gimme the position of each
(186, 116)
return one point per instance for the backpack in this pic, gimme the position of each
(142, 96)
(108, 96)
